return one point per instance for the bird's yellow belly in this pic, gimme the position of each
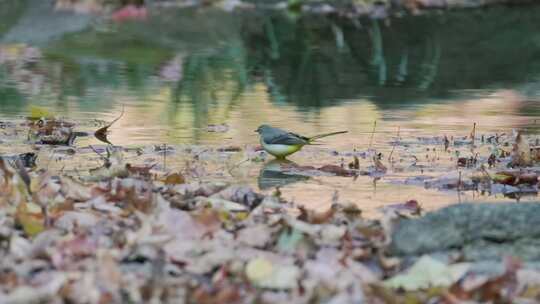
(280, 151)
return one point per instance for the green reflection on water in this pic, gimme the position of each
(308, 62)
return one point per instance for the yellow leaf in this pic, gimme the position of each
(427, 272)
(29, 216)
(258, 269)
(38, 113)
(175, 179)
(262, 273)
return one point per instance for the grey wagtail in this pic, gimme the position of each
(281, 143)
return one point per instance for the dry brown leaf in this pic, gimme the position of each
(314, 217)
(175, 179)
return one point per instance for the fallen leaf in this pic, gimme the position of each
(175, 179)
(31, 218)
(314, 217)
(337, 170)
(37, 112)
(427, 272)
(289, 239)
(521, 151)
(130, 12)
(261, 272)
(355, 164)
(515, 178)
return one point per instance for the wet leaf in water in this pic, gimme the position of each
(37, 113)
(102, 132)
(355, 164)
(51, 132)
(337, 170)
(521, 151)
(515, 178)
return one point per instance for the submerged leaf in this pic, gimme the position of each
(37, 113)
(521, 152)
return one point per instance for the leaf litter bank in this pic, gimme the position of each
(127, 233)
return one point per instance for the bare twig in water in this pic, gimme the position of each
(446, 143)
(486, 173)
(236, 166)
(458, 188)
(164, 157)
(473, 133)
(372, 133)
(104, 158)
(394, 146)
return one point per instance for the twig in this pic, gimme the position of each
(165, 157)
(459, 188)
(236, 166)
(394, 146)
(98, 153)
(473, 133)
(486, 173)
(372, 133)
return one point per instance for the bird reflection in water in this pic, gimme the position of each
(273, 174)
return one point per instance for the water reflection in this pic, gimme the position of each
(210, 59)
(271, 174)
(204, 66)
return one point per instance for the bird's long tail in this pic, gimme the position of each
(314, 138)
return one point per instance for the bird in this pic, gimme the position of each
(281, 143)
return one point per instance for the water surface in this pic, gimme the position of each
(184, 69)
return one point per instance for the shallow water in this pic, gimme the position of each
(184, 69)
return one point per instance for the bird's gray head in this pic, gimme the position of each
(263, 128)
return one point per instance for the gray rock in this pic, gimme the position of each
(481, 231)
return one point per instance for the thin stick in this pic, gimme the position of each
(459, 188)
(394, 146)
(165, 157)
(473, 133)
(236, 166)
(372, 133)
(98, 153)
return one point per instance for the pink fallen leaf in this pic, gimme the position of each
(130, 12)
